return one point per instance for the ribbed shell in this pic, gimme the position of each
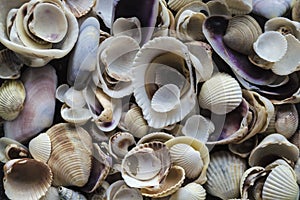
(220, 94)
(135, 122)
(242, 31)
(281, 184)
(224, 173)
(68, 194)
(12, 97)
(176, 5)
(277, 8)
(287, 120)
(70, 160)
(80, 8)
(40, 147)
(192, 191)
(239, 7)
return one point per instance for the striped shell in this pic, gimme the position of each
(192, 191)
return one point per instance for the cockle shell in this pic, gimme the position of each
(239, 7)
(271, 8)
(37, 175)
(79, 8)
(175, 5)
(220, 94)
(11, 149)
(192, 191)
(244, 27)
(10, 65)
(39, 106)
(12, 97)
(287, 119)
(119, 190)
(197, 146)
(68, 194)
(40, 147)
(146, 165)
(224, 173)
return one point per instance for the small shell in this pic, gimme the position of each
(155, 136)
(271, 8)
(287, 119)
(283, 25)
(128, 26)
(220, 94)
(243, 149)
(271, 38)
(119, 190)
(239, 7)
(10, 65)
(12, 98)
(192, 191)
(218, 7)
(119, 143)
(176, 5)
(11, 149)
(37, 175)
(244, 27)
(224, 173)
(281, 184)
(68, 194)
(40, 147)
(78, 116)
(80, 8)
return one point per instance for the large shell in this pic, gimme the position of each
(224, 173)
(39, 105)
(70, 159)
(220, 94)
(242, 31)
(192, 191)
(12, 97)
(35, 174)
(271, 8)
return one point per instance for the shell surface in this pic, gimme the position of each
(271, 8)
(40, 147)
(193, 191)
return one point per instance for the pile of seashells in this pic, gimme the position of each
(150, 99)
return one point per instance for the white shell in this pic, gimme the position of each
(271, 8)
(192, 191)
(177, 4)
(283, 25)
(119, 143)
(287, 119)
(128, 26)
(10, 65)
(220, 94)
(198, 127)
(75, 115)
(120, 191)
(40, 147)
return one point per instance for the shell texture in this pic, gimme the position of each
(68, 194)
(80, 8)
(40, 147)
(11, 149)
(287, 120)
(239, 7)
(193, 191)
(10, 65)
(271, 8)
(177, 4)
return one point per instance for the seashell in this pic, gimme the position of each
(283, 25)
(171, 184)
(270, 8)
(11, 99)
(10, 65)
(192, 191)
(289, 63)
(239, 7)
(176, 5)
(287, 120)
(78, 116)
(220, 94)
(40, 147)
(11, 149)
(155, 136)
(198, 147)
(82, 60)
(264, 153)
(70, 159)
(130, 27)
(297, 170)
(119, 190)
(35, 55)
(281, 184)
(119, 143)
(224, 173)
(243, 149)
(39, 105)
(135, 165)
(70, 96)
(79, 8)
(218, 7)
(295, 10)
(51, 194)
(135, 122)
(31, 172)
(244, 27)
(104, 10)
(68, 194)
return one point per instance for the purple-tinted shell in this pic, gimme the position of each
(214, 28)
(146, 11)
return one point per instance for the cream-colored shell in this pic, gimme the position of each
(75, 115)
(10, 65)
(155, 136)
(119, 143)
(79, 8)
(37, 176)
(12, 98)
(220, 94)
(119, 190)
(40, 147)
(192, 191)
(283, 25)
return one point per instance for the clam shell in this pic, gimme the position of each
(37, 175)
(224, 173)
(70, 159)
(40, 147)
(11, 149)
(244, 27)
(175, 5)
(192, 191)
(39, 105)
(10, 65)
(271, 38)
(281, 184)
(287, 120)
(68, 194)
(278, 8)
(218, 7)
(197, 146)
(239, 7)
(12, 98)
(220, 94)
(80, 8)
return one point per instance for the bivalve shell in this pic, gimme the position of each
(40, 147)
(68, 194)
(287, 120)
(192, 191)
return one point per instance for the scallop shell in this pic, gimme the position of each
(10, 65)
(224, 173)
(11, 149)
(244, 27)
(271, 8)
(220, 94)
(80, 8)
(192, 191)
(264, 153)
(271, 38)
(287, 120)
(239, 7)
(146, 165)
(68, 194)
(37, 175)
(70, 159)
(281, 184)
(40, 147)
(12, 98)
(197, 146)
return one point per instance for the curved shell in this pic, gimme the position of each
(70, 159)
(281, 184)
(10, 65)
(244, 149)
(146, 165)
(220, 94)
(192, 191)
(68, 194)
(218, 7)
(239, 7)
(265, 149)
(12, 98)
(244, 27)
(283, 25)
(287, 119)
(78, 116)
(278, 8)
(155, 136)
(119, 143)
(176, 5)
(40, 147)
(224, 173)
(119, 190)
(80, 8)
(296, 11)
(197, 146)
(11, 149)
(128, 26)
(37, 175)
